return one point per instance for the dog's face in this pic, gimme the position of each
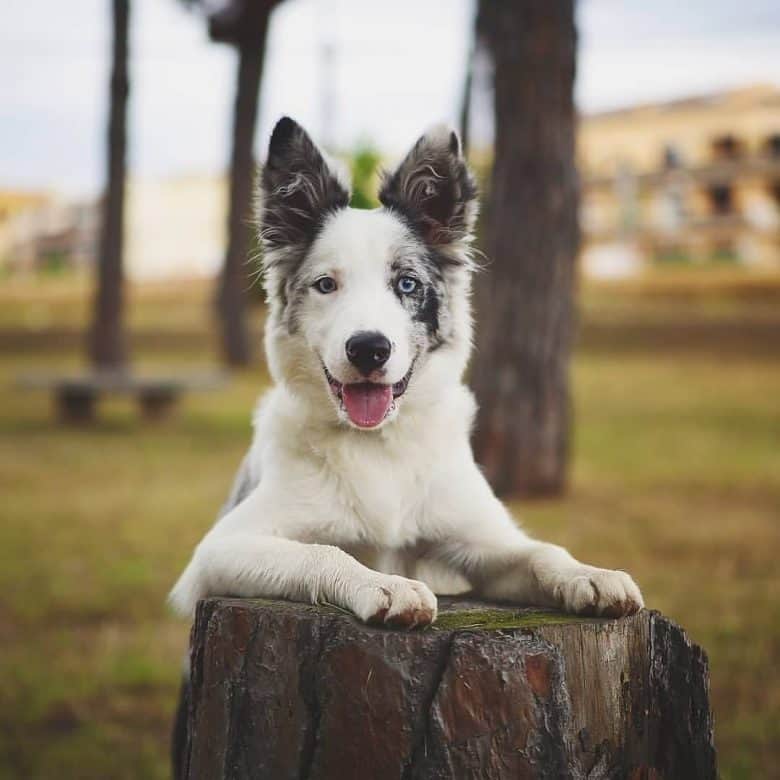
(362, 300)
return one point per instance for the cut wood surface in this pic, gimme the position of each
(288, 690)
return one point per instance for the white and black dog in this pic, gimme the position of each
(361, 473)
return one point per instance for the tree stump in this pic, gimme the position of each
(287, 690)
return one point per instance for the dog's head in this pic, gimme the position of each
(367, 308)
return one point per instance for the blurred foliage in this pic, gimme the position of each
(719, 257)
(676, 479)
(364, 164)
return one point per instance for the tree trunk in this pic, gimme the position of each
(284, 690)
(464, 120)
(235, 277)
(524, 301)
(107, 348)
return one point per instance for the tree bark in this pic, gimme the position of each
(525, 300)
(107, 347)
(234, 282)
(284, 690)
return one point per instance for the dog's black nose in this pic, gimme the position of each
(368, 351)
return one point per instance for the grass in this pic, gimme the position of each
(676, 478)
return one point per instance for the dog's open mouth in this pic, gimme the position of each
(367, 403)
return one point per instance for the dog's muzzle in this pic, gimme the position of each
(367, 404)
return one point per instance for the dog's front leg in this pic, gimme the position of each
(540, 574)
(239, 557)
(479, 538)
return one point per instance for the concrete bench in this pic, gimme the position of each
(76, 395)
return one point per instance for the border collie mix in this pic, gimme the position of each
(360, 481)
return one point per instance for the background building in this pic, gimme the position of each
(175, 229)
(686, 181)
(694, 180)
(40, 231)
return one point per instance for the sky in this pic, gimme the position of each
(397, 67)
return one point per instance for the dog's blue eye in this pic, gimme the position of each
(406, 285)
(325, 285)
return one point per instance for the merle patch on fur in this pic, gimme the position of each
(428, 314)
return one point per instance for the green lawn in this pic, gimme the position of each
(676, 478)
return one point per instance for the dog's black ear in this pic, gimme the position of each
(298, 188)
(434, 189)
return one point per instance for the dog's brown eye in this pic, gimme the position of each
(325, 285)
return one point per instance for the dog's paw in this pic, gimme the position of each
(602, 592)
(396, 601)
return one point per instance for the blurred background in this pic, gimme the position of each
(632, 235)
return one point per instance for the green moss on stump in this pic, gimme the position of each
(494, 619)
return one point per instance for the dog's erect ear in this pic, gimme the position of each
(298, 188)
(434, 189)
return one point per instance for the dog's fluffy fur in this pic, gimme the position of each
(360, 479)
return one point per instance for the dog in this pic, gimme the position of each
(360, 477)
(360, 488)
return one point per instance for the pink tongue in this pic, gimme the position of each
(367, 403)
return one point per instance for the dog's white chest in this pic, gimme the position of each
(379, 494)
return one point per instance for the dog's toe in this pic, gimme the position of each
(372, 603)
(618, 594)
